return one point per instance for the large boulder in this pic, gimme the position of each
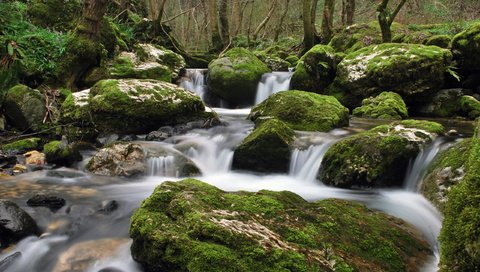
(120, 159)
(266, 149)
(378, 157)
(459, 238)
(24, 108)
(234, 77)
(451, 103)
(127, 65)
(387, 105)
(75, 115)
(411, 70)
(315, 70)
(466, 49)
(132, 106)
(161, 55)
(15, 223)
(302, 111)
(191, 226)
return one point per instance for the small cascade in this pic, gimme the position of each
(210, 156)
(416, 171)
(163, 166)
(305, 164)
(195, 81)
(272, 83)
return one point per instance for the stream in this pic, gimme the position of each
(83, 219)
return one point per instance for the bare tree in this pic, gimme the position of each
(223, 27)
(386, 18)
(327, 22)
(348, 12)
(265, 21)
(155, 10)
(279, 26)
(309, 31)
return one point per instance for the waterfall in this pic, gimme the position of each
(195, 81)
(272, 83)
(210, 156)
(305, 164)
(416, 171)
(163, 166)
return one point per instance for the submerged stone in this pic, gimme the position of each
(301, 110)
(192, 226)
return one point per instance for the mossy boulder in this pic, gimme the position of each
(470, 106)
(24, 108)
(277, 64)
(192, 226)
(459, 238)
(378, 157)
(234, 76)
(302, 111)
(414, 71)
(446, 171)
(127, 65)
(266, 149)
(76, 117)
(293, 60)
(466, 49)
(155, 53)
(60, 153)
(22, 146)
(442, 41)
(387, 105)
(315, 70)
(451, 103)
(55, 14)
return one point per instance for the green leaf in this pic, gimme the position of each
(10, 49)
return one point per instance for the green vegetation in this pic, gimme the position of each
(60, 153)
(387, 105)
(22, 146)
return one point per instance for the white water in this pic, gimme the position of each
(195, 81)
(212, 152)
(272, 83)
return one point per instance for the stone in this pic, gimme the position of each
(22, 146)
(121, 159)
(24, 108)
(161, 55)
(35, 158)
(466, 49)
(387, 105)
(15, 223)
(61, 153)
(127, 65)
(50, 201)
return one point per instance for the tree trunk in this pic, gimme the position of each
(215, 38)
(348, 12)
(385, 18)
(224, 33)
(279, 26)
(327, 22)
(249, 30)
(93, 11)
(308, 28)
(265, 21)
(155, 10)
(237, 17)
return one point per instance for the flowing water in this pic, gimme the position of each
(195, 81)
(272, 83)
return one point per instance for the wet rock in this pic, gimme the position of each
(5, 263)
(62, 174)
(24, 108)
(121, 159)
(35, 158)
(108, 206)
(109, 139)
(128, 138)
(378, 157)
(110, 269)
(157, 136)
(466, 49)
(19, 169)
(22, 146)
(52, 202)
(81, 256)
(192, 226)
(170, 162)
(7, 161)
(15, 223)
(387, 105)
(61, 153)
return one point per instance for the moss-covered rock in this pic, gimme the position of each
(387, 105)
(127, 65)
(446, 171)
(470, 106)
(277, 64)
(155, 53)
(235, 76)
(315, 70)
(460, 246)
(111, 37)
(191, 226)
(60, 153)
(413, 71)
(24, 108)
(293, 60)
(451, 103)
(57, 14)
(266, 149)
(466, 49)
(120, 159)
(302, 111)
(76, 117)
(442, 41)
(22, 146)
(378, 157)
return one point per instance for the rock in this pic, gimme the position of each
(52, 202)
(61, 153)
(19, 169)
(15, 223)
(315, 70)
(470, 106)
(266, 149)
(127, 65)
(108, 139)
(277, 64)
(293, 60)
(81, 256)
(7, 161)
(466, 49)
(302, 111)
(35, 158)
(64, 174)
(108, 206)
(387, 105)
(192, 226)
(459, 235)
(378, 157)
(54, 14)
(76, 117)
(166, 161)
(447, 170)
(24, 108)
(411, 70)
(22, 146)
(161, 55)
(442, 41)
(451, 103)
(234, 77)
(121, 159)
(158, 136)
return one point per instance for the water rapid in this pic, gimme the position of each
(271, 83)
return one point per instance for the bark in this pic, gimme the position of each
(279, 26)
(215, 39)
(385, 18)
(265, 21)
(237, 17)
(223, 27)
(327, 22)
(250, 21)
(155, 10)
(348, 12)
(308, 28)
(93, 11)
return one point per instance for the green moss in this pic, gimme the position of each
(155, 53)
(315, 70)
(293, 60)
(387, 105)
(235, 76)
(470, 106)
(60, 153)
(442, 41)
(428, 126)
(267, 148)
(302, 111)
(57, 14)
(24, 108)
(466, 48)
(124, 67)
(22, 146)
(189, 225)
